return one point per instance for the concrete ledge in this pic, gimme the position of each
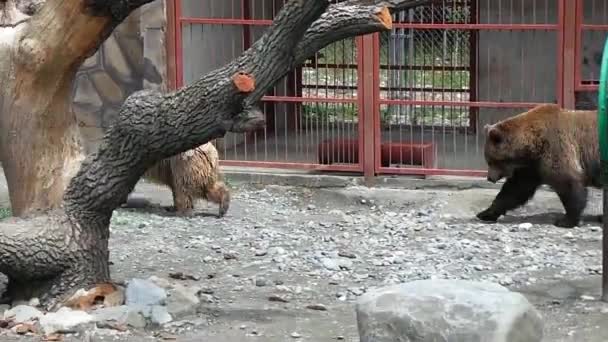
(341, 180)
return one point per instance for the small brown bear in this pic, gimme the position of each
(192, 175)
(545, 145)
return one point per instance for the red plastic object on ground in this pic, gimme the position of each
(332, 151)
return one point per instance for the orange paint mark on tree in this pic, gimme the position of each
(384, 15)
(86, 300)
(245, 83)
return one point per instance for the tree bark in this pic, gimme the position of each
(65, 247)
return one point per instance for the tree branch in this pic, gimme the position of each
(339, 22)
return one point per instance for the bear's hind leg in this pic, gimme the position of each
(516, 191)
(219, 193)
(573, 195)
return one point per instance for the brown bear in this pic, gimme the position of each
(545, 145)
(192, 175)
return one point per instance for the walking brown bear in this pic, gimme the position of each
(545, 145)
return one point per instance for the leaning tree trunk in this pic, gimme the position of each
(53, 253)
(41, 48)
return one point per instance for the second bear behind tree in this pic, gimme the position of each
(192, 175)
(546, 145)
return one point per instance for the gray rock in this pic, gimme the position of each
(144, 292)
(447, 310)
(160, 315)
(161, 282)
(120, 314)
(22, 313)
(337, 264)
(64, 320)
(182, 301)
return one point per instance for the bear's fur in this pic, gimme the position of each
(545, 145)
(192, 175)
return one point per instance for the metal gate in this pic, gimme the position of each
(410, 101)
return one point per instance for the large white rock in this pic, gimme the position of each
(447, 310)
(22, 313)
(64, 320)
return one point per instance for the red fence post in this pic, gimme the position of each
(366, 55)
(568, 34)
(170, 45)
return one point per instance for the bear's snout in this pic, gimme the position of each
(494, 175)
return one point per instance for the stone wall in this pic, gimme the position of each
(131, 59)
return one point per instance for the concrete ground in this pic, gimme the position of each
(280, 240)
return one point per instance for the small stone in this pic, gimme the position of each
(588, 298)
(340, 338)
(330, 264)
(260, 282)
(34, 302)
(230, 256)
(183, 276)
(119, 316)
(318, 307)
(347, 255)
(337, 264)
(22, 313)
(295, 335)
(506, 281)
(112, 325)
(24, 328)
(144, 292)
(182, 301)
(311, 207)
(64, 320)
(160, 315)
(277, 298)
(261, 252)
(525, 226)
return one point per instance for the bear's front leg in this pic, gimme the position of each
(516, 191)
(183, 202)
(573, 195)
(219, 193)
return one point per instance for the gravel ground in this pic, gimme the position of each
(287, 263)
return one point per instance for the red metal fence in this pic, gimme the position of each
(409, 101)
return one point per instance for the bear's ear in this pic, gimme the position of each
(495, 135)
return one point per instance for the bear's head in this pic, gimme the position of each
(507, 148)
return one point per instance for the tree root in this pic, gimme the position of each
(50, 256)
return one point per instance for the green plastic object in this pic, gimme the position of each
(602, 119)
(602, 126)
